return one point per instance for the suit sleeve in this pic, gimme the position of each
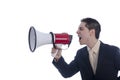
(117, 59)
(66, 70)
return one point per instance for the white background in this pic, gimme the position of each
(16, 17)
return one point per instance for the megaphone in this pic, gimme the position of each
(36, 39)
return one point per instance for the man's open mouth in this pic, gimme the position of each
(80, 37)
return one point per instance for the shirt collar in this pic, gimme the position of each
(95, 48)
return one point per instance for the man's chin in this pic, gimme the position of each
(81, 43)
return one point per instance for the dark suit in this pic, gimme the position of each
(107, 67)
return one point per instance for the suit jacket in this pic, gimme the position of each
(107, 67)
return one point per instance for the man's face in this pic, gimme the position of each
(83, 33)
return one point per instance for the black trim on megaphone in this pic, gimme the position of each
(29, 38)
(71, 36)
(53, 39)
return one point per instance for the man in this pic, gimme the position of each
(95, 61)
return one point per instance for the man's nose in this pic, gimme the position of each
(77, 31)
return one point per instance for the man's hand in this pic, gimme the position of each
(56, 53)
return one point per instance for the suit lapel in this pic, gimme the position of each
(86, 59)
(100, 57)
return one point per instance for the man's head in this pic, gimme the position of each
(92, 24)
(88, 31)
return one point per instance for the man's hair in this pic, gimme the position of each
(92, 24)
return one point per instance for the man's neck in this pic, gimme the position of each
(92, 43)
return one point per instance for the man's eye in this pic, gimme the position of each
(81, 29)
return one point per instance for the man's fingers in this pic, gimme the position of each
(53, 50)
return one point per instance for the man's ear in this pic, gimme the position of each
(92, 31)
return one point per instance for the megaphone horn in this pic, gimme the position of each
(36, 39)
